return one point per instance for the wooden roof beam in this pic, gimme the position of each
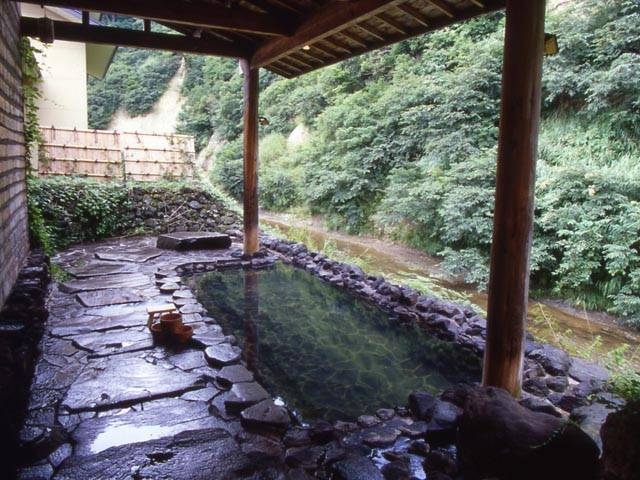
(434, 24)
(198, 15)
(319, 25)
(478, 3)
(414, 13)
(76, 32)
(356, 39)
(370, 30)
(392, 23)
(443, 7)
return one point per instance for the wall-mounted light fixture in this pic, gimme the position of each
(550, 44)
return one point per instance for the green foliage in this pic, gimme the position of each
(213, 90)
(77, 210)
(625, 380)
(135, 81)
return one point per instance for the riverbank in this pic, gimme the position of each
(585, 333)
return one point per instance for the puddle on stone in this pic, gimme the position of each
(115, 435)
(327, 353)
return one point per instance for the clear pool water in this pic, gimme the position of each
(327, 353)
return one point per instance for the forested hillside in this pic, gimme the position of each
(402, 143)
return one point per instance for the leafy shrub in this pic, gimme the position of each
(74, 210)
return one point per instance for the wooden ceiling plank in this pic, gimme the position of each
(296, 59)
(414, 13)
(287, 65)
(338, 44)
(323, 49)
(76, 32)
(386, 18)
(354, 38)
(370, 30)
(321, 24)
(199, 15)
(443, 7)
(434, 24)
(311, 54)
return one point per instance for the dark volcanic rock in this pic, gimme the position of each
(193, 241)
(621, 449)
(499, 437)
(380, 436)
(590, 418)
(358, 468)
(583, 371)
(266, 414)
(553, 360)
(307, 457)
(397, 470)
(438, 461)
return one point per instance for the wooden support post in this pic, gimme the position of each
(513, 214)
(250, 198)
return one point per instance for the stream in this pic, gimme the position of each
(593, 334)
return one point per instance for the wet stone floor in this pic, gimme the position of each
(108, 403)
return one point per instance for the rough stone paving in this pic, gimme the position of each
(108, 403)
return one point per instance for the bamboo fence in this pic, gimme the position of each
(114, 155)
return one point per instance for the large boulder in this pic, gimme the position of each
(193, 241)
(497, 437)
(621, 449)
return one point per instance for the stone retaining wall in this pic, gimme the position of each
(161, 210)
(21, 326)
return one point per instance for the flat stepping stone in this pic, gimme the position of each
(222, 354)
(193, 241)
(160, 281)
(158, 419)
(188, 360)
(265, 414)
(183, 294)
(114, 341)
(169, 287)
(231, 374)
(101, 269)
(102, 298)
(181, 302)
(190, 455)
(191, 308)
(124, 380)
(89, 323)
(102, 283)
(140, 255)
(244, 395)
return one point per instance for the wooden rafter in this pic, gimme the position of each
(393, 23)
(370, 30)
(414, 13)
(323, 23)
(444, 7)
(198, 15)
(76, 32)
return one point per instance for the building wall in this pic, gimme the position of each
(14, 237)
(64, 77)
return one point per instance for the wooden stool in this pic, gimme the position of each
(159, 310)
